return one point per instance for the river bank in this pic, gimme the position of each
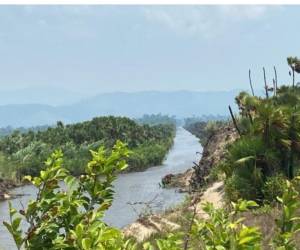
(5, 187)
(132, 190)
(213, 152)
(208, 190)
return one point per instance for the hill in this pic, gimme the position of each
(179, 103)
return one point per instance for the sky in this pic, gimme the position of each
(94, 49)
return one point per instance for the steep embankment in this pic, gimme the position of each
(213, 152)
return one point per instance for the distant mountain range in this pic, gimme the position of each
(179, 103)
(41, 95)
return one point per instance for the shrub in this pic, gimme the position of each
(237, 187)
(274, 187)
(71, 217)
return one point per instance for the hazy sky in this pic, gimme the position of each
(92, 49)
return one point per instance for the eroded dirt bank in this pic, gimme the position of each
(213, 152)
(195, 177)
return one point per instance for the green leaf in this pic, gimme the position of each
(244, 160)
(246, 239)
(86, 244)
(70, 181)
(79, 231)
(16, 223)
(43, 175)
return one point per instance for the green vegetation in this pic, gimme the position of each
(228, 229)
(157, 119)
(21, 153)
(204, 127)
(9, 130)
(204, 118)
(203, 130)
(266, 154)
(67, 214)
(267, 151)
(70, 218)
(261, 169)
(260, 165)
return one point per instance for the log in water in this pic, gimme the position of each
(129, 188)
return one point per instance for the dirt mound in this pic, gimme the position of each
(181, 180)
(144, 228)
(214, 195)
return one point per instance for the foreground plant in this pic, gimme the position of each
(222, 230)
(288, 223)
(225, 230)
(67, 212)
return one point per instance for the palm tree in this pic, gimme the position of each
(294, 64)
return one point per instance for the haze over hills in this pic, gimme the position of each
(48, 95)
(179, 103)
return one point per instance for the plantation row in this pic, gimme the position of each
(22, 153)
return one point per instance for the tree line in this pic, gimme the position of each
(22, 152)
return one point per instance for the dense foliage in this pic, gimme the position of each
(67, 214)
(9, 130)
(267, 151)
(156, 119)
(268, 148)
(25, 151)
(204, 130)
(204, 118)
(70, 217)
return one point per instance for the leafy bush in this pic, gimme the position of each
(224, 230)
(268, 146)
(71, 217)
(274, 187)
(289, 223)
(237, 187)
